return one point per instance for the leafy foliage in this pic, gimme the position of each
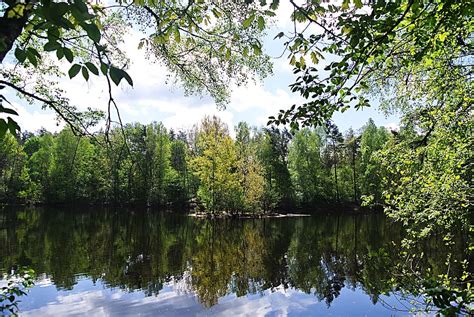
(362, 41)
(18, 283)
(207, 45)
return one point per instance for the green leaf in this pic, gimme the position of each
(81, 6)
(60, 53)
(74, 70)
(93, 69)
(177, 35)
(3, 128)
(53, 34)
(345, 5)
(92, 31)
(358, 4)
(9, 111)
(85, 73)
(117, 74)
(279, 35)
(32, 58)
(261, 23)
(20, 55)
(13, 126)
(33, 51)
(51, 46)
(216, 13)
(68, 54)
(270, 13)
(248, 21)
(104, 68)
(257, 50)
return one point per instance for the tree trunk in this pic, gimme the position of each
(11, 28)
(354, 175)
(335, 172)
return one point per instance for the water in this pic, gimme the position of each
(121, 262)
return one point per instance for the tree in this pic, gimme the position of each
(206, 44)
(249, 168)
(273, 153)
(304, 159)
(178, 190)
(372, 140)
(14, 178)
(159, 144)
(70, 155)
(352, 147)
(216, 166)
(416, 56)
(335, 140)
(40, 155)
(369, 41)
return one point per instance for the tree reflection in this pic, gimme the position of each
(144, 250)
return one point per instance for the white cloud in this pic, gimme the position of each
(32, 118)
(95, 299)
(392, 126)
(172, 302)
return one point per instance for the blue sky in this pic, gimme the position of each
(153, 100)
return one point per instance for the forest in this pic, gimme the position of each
(258, 171)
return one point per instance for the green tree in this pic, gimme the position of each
(372, 140)
(417, 57)
(249, 168)
(352, 149)
(304, 159)
(40, 155)
(384, 41)
(178, 187)
(70, 169)
(221, 42)
(273, 153)
(14, 178)
(216, 167)
(335, 139)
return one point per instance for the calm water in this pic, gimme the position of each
(121, 262)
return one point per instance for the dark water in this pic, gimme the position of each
(118, 262)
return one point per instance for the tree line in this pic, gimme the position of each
(259, 170)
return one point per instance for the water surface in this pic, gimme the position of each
(122, 262)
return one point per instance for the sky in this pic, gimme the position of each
(151, 99)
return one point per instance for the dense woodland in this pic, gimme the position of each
(259, 170)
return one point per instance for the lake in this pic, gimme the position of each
(122, 262)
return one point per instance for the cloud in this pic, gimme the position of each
(392, 126)
(33, 118)
(95, 299)
(170, 302)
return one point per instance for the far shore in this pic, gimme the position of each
(245, 216)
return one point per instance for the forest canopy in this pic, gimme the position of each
(258, 171)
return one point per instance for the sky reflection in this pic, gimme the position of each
(95, 299)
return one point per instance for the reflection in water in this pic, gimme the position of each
(319, 255)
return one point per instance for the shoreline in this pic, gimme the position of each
(245, 216)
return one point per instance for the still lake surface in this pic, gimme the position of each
(122, 262)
